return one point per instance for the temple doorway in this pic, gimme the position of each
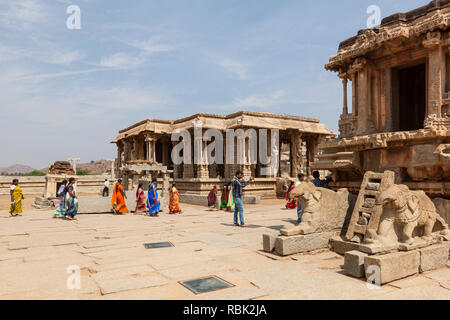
(410, 99)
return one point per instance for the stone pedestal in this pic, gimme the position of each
(393, 266)
(269, 242)
(285, 246)
(354, 264)
(434, 257)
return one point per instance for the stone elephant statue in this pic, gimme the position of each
(322, 209)
(407, 210)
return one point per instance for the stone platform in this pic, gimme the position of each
(36, 250)
(202, 200)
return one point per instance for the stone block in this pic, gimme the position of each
(341, 246)
(202, 200)
(269, 242)
(354, 263)
(285, 246)
(433, 257)
(393, 266)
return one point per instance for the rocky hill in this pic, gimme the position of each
(16, 169)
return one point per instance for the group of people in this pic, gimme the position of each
(68, 201)
(295, 203)
(231, 198)
(149, 204)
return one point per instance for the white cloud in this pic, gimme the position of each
(47, 52)
(22, 14)
(234, 67)
(151, 46)
(261, 101)
(121, 60)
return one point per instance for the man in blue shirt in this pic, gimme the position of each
(319, 183)
(237, 195)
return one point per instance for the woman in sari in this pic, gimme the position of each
(174, 205)
(227, 200)
(61, 194)
(153, 203)
(291, 204)
(118, 199)
(16, 198)
(71, 200)
(140, 200)
(212, 198)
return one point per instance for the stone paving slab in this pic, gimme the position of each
(35, 251)
(130, 283)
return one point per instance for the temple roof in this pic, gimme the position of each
(231, 121)
(406, 25)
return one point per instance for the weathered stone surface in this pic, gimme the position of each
(434, 257)
(202, 200)
(323, 210)
(112, 285)
(341, 246)
(393, 266)
(407, 211)
(61, 167)
(443, 208)
(302, 243)
(269, 242)
(354, 263)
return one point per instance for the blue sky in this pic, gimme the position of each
(66, 93)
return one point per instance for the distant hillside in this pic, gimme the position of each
(101, 166)
(16, 169)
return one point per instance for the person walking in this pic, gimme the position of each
(141, 206)
(16, 198)
(174, 200)
(153, 203)
(106, 188)
(118, 199)
(237, 195)
(61, 194)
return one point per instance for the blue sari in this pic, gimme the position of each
(152, 205)
(72, 203)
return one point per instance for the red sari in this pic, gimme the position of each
(291, 204)
(140, 199)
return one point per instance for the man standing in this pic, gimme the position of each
(237, 194)
(301, 178)
(106, 188)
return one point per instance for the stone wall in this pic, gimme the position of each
(36, 185)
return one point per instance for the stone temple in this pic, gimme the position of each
(144, 149)
(397, 116)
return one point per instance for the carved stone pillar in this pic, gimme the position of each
(202, 166)
(345, 104)
(436, 72)
(126, 151)
(296, 154)
(150, 141)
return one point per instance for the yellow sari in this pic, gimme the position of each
(16, 207)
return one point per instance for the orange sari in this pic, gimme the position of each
(174, 205)
(118, 200)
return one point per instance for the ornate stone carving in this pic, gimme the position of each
(323, 209)
(406, 211)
